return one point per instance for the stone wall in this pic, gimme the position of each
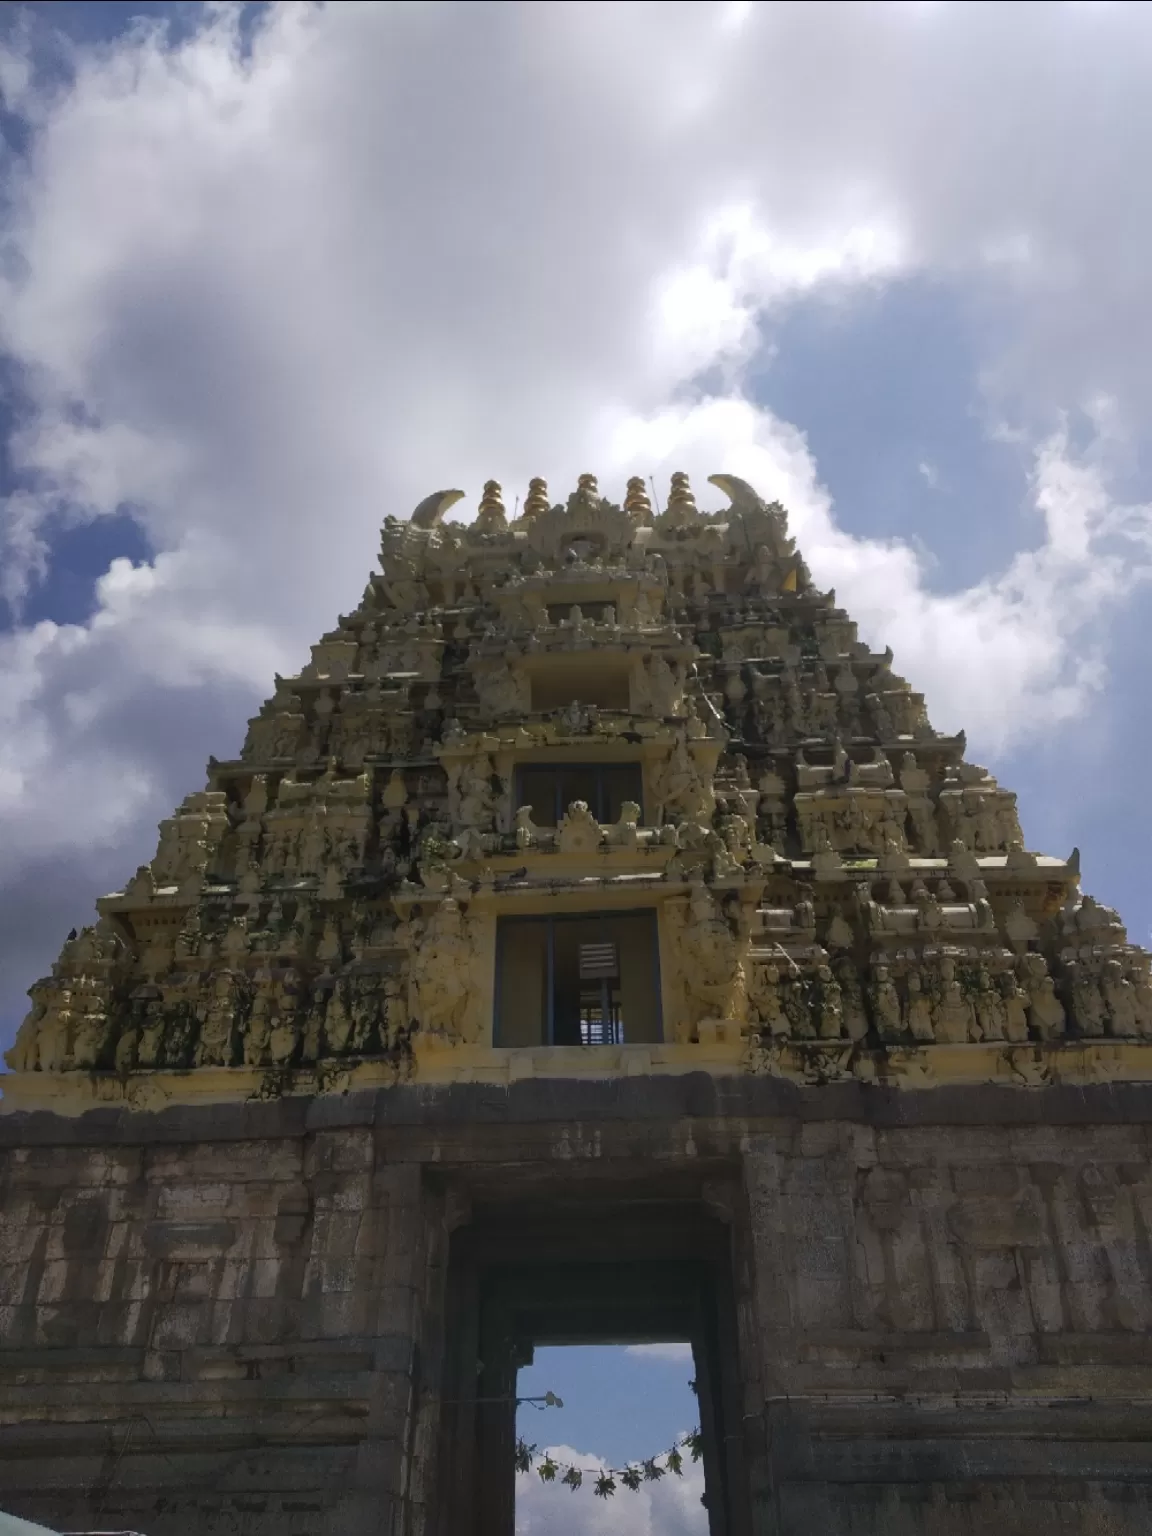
(233, 1321)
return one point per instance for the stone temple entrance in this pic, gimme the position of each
(630, 1269)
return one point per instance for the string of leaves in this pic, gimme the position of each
(605, 1482)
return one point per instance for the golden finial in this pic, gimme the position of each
(681, 502)
(536, 500)
(491, 513)
(586, 486)
(636, 501)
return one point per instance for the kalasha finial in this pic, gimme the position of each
(536, 500)
(681, 502)
(586, 486)
(491, 513)
(636, 502)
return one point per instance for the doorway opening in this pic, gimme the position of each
(536, 1291)
(615, 1425)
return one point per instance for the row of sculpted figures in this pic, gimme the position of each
(952, 980)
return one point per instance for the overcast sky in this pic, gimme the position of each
(268, 275)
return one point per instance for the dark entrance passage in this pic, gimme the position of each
(590, 1274)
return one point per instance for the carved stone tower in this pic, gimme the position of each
(592, 899)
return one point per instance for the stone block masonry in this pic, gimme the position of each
(235, 1320)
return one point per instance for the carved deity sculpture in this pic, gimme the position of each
(711, 963)
(920, 1011)
(991, 1012)
(443, 977)
(218, 1021)
(886, 1004)
(829, 1009)
(477, 799)
(1045, 1008)
(764, 995)
(680, 790)
(1120, 1000)
(502, 691)
(953, 1017)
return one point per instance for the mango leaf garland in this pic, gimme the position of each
(606, 1480)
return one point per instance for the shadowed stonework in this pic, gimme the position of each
(595, 941)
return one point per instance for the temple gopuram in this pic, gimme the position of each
(594, 942)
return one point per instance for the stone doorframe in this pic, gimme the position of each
(598, 1269)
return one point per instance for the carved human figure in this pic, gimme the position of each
(179, 1028)
(953, 1016)
(442, 983)
(920, 1011)
(338, 1019)
(1142, 988)
(502, 691)
(711, 963)
(1015, 1008)
(885, 1001)
(665, 689)
(766, 1001)
(284, 1030)
(797, 1009)
(852, 1001)
(575, 720)
(365, 1004)
(1088, 1009)
(991, 1013)
(261, 1019)
(90, 1022)
(32, 1049)
(218, 1021)
(146, 1014)
(680, 789)
(395, 1026)
(127, 1048)
(477, 806)
(830, 1013)
(1046, 1010)
(1120, 1000)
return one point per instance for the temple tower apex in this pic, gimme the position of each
(593, 940)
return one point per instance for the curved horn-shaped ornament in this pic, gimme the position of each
(433, 508)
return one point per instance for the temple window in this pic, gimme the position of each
(583, 979)
(586, 677)
(550, 788)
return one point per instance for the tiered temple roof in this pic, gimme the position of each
(647, 725)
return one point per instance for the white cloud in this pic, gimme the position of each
(672, 1354)
(269, 295)
(670, 1507)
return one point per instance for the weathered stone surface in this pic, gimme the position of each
(879, 1141)
(940, 1325)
